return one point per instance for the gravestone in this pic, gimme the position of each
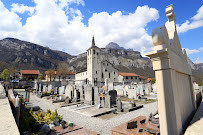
(69, 91)
(132, 92)
(154, 88)
(110, 86)
(40, 87)
(107, 101)
(102, 102)
(76, 95)
(35, 85)
(148, 88)
(113, 95)
(96, 96)
(119, 105)
(89, 95)
(61, 90)
(81, 91)
(49, 88)
(173, 78)
(44, 88)
(140, 89)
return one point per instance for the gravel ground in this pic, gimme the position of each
(95, 124)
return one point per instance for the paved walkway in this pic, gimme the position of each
(95, 124)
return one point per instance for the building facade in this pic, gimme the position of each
(57, 77)
(97, 70)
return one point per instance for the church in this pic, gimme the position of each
(97, 70)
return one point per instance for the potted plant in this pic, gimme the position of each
(45, 93)
(52, 91)
(63, 124)
(70, 124)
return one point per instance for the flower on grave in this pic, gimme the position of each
(45, 92)
(51, 90)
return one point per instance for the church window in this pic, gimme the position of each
(109, 75)
(96, 71)
(102, 75)
(107, 64)
(93, 51)
(114, 73)
(105, 70)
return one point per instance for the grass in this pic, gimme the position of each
(138, 101)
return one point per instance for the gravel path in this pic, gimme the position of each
(95, 124)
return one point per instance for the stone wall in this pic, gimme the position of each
(8, 124)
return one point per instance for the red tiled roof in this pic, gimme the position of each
(127, 74)
(149, 79)
(69, 73)
(142, 77)
(29, 72)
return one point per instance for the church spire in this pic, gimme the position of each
(93, 42)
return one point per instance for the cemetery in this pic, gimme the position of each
(102, 100)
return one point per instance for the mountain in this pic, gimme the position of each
(113, 45)
(25, 55)
(122, 59)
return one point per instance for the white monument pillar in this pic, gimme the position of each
(173, 78)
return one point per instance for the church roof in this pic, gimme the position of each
(93, 46)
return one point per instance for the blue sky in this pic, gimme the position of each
(68, 25)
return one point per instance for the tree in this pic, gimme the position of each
(62, 70)
(12, 72)
(153, 80)
(5, 75)
(41, 77)
(51, 73)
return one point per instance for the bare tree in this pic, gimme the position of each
(62, 70)
(51, 73)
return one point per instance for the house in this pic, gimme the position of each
(131, 77)
(56, 77)
(29, 74)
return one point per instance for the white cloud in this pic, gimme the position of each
(195, 22)
(50, 25)
(192, 51)
(126, 30)
(21, 8)
(10, 22)
(198, 60)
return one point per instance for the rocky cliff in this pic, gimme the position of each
(25, 55)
